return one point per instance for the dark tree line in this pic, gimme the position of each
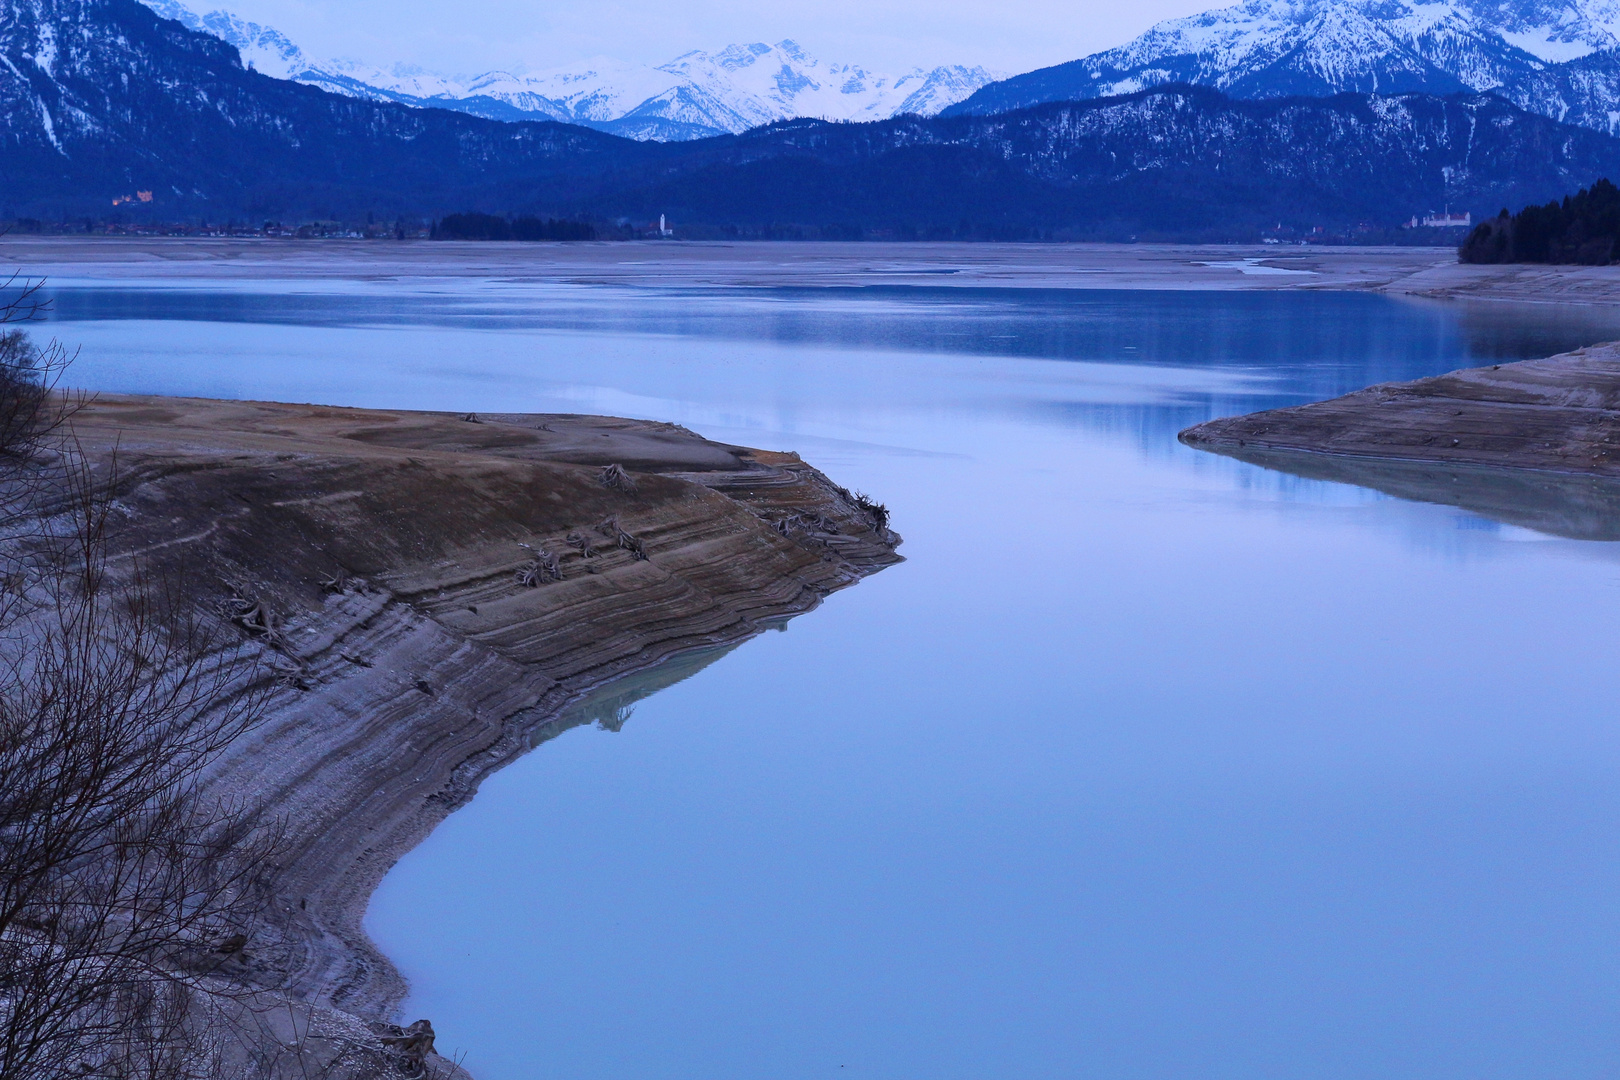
(1583, 228)
(490, 227)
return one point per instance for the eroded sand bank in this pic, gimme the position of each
(405, 654)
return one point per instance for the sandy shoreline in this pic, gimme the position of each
(1412, 271)
(405, 657)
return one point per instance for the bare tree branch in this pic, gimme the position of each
(127, 896)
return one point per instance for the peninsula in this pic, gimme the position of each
(428, 595)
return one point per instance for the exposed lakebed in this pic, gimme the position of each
(1146, 763)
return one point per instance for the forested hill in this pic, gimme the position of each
(104, 101)
(1171, 161)
(1580, 228)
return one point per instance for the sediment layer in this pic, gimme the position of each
(398, 573)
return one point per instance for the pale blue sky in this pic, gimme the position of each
(474, 35)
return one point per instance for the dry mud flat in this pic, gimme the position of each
(430, 595)
(1417, 271)
(1534, 443)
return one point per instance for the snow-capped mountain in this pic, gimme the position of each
(262, 48)
(1541, 54)
(128, 114)
(693, 96)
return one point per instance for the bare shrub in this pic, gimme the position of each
(126, 893)
(31, 409)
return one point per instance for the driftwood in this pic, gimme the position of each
(292, 672)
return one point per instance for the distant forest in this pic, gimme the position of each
(491, 227)
(1584, 228)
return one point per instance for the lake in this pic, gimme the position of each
(1145, 763)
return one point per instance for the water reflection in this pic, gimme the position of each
(610, 707)
(1574, 507)
(1315, 333)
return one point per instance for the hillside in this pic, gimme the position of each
(1175, 161)
(104, 100)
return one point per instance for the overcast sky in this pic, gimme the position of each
(476, 35)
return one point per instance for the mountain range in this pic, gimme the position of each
(112, 111)
(693, 96)
(1554, 58)
(1560, 59)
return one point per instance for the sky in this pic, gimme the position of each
(470, 36)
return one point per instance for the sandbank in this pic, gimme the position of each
(1414, 271)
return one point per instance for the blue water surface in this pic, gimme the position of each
(1145, 764)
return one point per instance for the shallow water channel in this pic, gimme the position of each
(1145, 763)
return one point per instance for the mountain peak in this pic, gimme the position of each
(694, 95)
(1280, 48)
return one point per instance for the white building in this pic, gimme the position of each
(1447, 220)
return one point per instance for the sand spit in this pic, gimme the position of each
(1534, 443)
(438, 593)
(301, 265)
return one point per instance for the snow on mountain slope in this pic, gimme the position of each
(102, 99)
(735, 89)
(761, 83)
(1552, 30)
(1272, 48)
(262, 48)
(695, 95)
(1584, 91)
(1277, 48)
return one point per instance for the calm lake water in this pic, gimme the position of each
(1146, 763)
